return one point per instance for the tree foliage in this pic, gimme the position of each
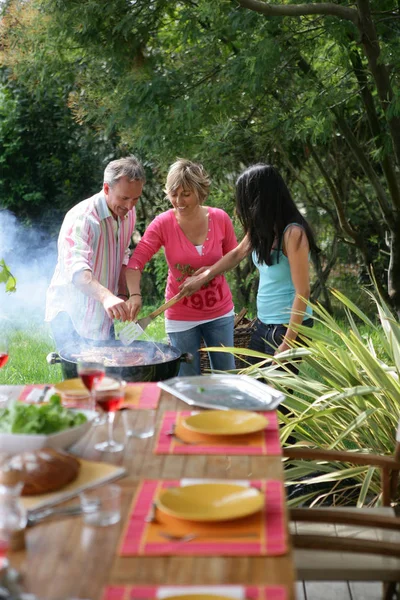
(7, 278)
(311, 87)
(48, 161)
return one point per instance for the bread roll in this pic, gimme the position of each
(42, 471)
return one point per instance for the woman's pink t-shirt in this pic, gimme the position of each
(212, 300)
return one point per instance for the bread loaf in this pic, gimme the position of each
(43, 471)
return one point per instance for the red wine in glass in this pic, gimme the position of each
(3, 359)
(91, 373)
(3, 348)
(109, 402)
(4, 546)
(90, 377)
(110, 397)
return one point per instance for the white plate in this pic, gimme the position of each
(11, 443)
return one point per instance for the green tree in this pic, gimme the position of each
(48, 161)
(299, 85)
(379, 91)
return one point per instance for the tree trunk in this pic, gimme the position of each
(379, 72)
(375, 126)
(394, 268)
(319, 288)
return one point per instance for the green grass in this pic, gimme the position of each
(31, 343)
(27, 363)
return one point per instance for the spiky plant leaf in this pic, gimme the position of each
(346, 397)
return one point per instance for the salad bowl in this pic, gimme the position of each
(70, 431)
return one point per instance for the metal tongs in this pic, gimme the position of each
(132, 331)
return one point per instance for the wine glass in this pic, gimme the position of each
(3, 360)
(3, 350)
(5, 536)
(91, 373)
(110, 398)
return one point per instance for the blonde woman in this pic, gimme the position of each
(193, 235)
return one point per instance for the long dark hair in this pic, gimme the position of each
(265, 208)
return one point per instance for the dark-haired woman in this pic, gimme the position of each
(280, 240)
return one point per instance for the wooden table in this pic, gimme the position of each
(65, 559)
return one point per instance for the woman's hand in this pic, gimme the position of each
(281, 348)
(200, 271)
(194, 283)
(135, 302)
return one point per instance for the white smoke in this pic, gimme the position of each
(31, 256)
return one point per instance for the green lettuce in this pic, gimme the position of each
(47, 418)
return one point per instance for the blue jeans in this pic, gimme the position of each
(267, 338)
(214, 333)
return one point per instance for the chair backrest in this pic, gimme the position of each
(397, 446)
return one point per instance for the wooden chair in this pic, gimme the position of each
(350, 544)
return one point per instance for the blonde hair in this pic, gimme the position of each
(191, 176)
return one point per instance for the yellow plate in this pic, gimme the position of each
(71, 387)
(210, 501)
(75, 388)
(226, 422)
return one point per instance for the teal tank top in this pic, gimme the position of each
(276, 292)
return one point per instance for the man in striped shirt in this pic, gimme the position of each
(88, 289)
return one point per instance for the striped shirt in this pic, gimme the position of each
(90, 239)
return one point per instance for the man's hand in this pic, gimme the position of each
(116, 308)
